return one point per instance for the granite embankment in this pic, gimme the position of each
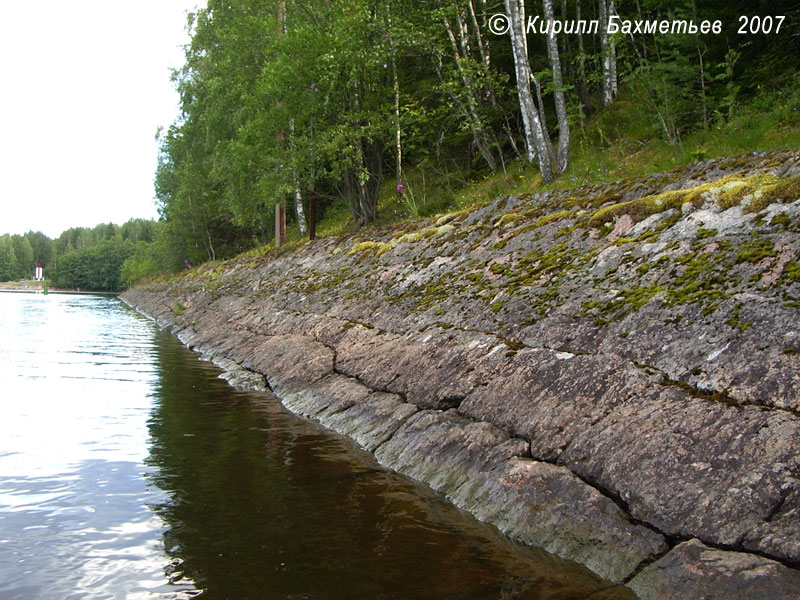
(610, 373)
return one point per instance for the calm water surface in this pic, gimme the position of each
(129, 470)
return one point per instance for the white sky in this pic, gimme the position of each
(83, 87)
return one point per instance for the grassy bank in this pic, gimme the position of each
(622, 141)
(618, 142)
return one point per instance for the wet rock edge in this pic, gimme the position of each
(482, 458)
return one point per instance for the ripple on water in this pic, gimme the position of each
(129, 470)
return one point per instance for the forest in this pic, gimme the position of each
(82, 258)
(368, 111)
(341, 101)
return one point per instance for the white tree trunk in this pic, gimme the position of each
(535, 137)
(298, 207)
(397, 131)
(562, 158)
(612, 10)
(298, 197)
(479, 134)
(482, 48)
(584, 94)
(608, 52)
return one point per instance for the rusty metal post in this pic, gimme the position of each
(277, 225)
(312, 215)
(280, 225)
(283, 224)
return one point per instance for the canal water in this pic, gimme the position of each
(130, 470)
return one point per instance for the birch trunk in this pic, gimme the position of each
(298, 207)
(485, 52)
(397, 140)
(535, 136)
(609, 54)
(612, 10)
(562, 157)
(479, 134)
(543, 119)
(298, 196)
(482, 48)
(582, 91)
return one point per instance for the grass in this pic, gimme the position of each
(619, 142)
(622, 141)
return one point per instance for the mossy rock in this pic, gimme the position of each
(785, 190)
(444, 230)
(738, 191)
(509, 219)
(754, 251)
(759, 191)
(411, 237)
(703, 233)
(781, 220)
(641, 208)
(791, 271)
(369, 246)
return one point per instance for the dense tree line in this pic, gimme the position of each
(86, 258)
(285, 100)
(282, 99)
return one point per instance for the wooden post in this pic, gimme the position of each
(280, 225)
(283, 224)
(312, 215)
(277, 225)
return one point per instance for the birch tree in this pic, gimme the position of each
(297, 193)
(609, 54)
(562, 157)
(481, 136)
(536, 138)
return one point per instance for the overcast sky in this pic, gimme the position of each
(83, 87)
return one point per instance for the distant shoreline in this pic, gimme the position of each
(36, 288)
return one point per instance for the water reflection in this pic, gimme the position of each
(128, 470)
(86, 534)
(75, 521)
(266, 505)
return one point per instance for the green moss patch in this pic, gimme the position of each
(703, 233)
(785, 190)
(367, 247)
(759, 191)
(754, 251)
(791, 271)
(639, 209)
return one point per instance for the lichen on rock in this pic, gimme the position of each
(604, 372)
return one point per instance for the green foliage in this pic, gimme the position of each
(23, 253)
(19, 254)
(281, 99)
(8, 259)
(141, 265)
(284, 99)
(107, 257)
(96, 267)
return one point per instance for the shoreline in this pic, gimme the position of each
(55, 291)
(623, 394)
(399, 436)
